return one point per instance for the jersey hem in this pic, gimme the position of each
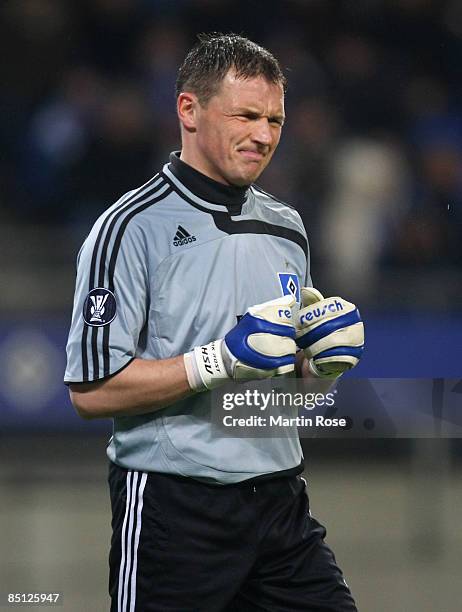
(265, 477)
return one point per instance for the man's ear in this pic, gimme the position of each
(187, 106)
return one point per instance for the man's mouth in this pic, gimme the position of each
(251, 155)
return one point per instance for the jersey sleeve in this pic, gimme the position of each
(111, 301)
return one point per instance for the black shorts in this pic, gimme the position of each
(179, 545)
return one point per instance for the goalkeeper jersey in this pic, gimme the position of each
(170, 266)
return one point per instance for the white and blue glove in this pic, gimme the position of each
(261, 345)
(330, 332)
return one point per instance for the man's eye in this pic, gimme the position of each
(254, 117)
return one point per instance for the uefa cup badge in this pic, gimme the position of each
(99, 307)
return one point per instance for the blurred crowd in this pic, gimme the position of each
(371, 154)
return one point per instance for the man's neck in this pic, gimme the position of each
(206, 187)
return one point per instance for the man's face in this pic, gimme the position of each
(239, 129)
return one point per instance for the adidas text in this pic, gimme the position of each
(183, 241)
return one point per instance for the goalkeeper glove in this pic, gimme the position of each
(330, 332)
(261, 345)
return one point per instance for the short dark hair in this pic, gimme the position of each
(208, 62)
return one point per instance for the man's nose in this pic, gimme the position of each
(262, 132)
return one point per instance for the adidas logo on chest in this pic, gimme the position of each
(182, 237)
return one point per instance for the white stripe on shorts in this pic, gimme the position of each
(144, 477)
(129, 554)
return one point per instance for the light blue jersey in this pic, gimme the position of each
(168, 267)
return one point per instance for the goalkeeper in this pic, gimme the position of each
(189, 281)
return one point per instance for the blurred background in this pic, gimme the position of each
(371, 156)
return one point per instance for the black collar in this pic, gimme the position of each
(207, 189)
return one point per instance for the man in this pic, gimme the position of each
(201, 523)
